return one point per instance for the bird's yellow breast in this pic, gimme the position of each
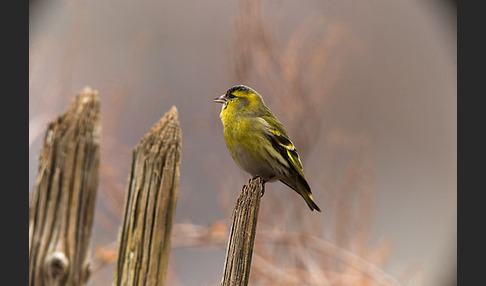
(249, 148)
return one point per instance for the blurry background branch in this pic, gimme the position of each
(297, 74)
(297, 244)
(62, 209)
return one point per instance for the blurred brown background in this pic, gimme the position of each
(366, 90)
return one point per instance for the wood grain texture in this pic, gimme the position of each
(62, 208)
(144, 239)
(242, 235)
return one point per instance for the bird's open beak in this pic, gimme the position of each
(221, 99)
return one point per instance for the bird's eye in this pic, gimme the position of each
(231, 96)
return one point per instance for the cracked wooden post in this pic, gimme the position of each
(242, 235)
(62, 208)
(144, 239)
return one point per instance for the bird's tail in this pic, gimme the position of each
(310, 202)
(303, 189)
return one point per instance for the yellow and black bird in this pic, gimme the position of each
(258, 142)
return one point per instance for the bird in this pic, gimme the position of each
(258, 142)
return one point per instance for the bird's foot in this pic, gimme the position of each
(263, 189)
(253, 178)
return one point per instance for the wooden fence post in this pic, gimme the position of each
(242, 235)
(61, 213)
(144, 239)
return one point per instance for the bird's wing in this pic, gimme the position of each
(280, 141)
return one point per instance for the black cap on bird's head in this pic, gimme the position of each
(233, 92)
(239, 88)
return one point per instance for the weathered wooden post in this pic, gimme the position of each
(242, 235)
(144, 239)
(61, 213)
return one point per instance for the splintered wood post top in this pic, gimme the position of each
(62, 208)
(144, 239)
(242, 235)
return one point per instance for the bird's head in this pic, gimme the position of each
(240, 100)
